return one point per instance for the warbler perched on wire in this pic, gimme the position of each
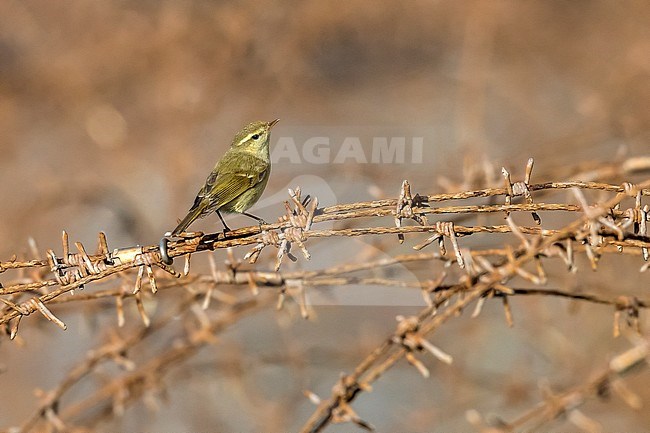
(239, 178)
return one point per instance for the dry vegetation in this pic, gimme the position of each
(496, 299)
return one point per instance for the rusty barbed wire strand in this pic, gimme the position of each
(639, 242)
(333, 213)
(116, 349)
(608, 381)
(336, 408)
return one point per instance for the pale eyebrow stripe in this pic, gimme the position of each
(251, 134)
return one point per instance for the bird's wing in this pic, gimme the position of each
(207, 186)
(235, 174)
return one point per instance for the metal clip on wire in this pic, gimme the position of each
(163, 251)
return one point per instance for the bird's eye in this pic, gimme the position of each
(255, 136)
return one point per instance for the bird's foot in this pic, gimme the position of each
(260, 223)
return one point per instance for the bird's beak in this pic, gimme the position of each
(273, 122)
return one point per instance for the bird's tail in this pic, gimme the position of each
(191, 216)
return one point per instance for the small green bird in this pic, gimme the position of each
(239, 178)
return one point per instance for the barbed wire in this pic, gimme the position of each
(600, 227)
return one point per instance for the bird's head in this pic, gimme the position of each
(254, 137)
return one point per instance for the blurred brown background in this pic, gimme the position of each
(112, 113)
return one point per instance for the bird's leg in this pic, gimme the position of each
(256, 218)
(225, 226)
